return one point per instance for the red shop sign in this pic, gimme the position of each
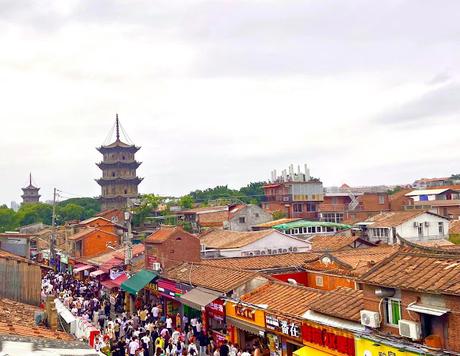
(216, 308)
(325, 338)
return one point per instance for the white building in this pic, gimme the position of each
(415, 226)
(226, 243)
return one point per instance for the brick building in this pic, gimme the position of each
(170, 246)
(443, 201)
(338, 207)
(418, 289)
(295, 194)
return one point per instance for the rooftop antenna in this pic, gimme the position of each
(118, 127)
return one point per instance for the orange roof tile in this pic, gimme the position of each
(331, 243)
(284, 298)
(344, 303)
(18, 319)
(259, 263)
(222, 239)
(418, 271)
(353, 262)
(164, 232)
(393, 218)
(216, 278)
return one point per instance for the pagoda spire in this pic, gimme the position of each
(118, 127)
(30, 178)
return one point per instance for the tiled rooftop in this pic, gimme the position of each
(344, 303)
(258, 263)
(284, 298)
(352, 262)
(222, 239)
(216, 278)
(438, 274)
(331, 243)
(18, 319)
(393, 218)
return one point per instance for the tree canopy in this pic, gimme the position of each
(251, 193)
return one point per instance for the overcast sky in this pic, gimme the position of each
(222, 92)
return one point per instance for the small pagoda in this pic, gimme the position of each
(30, 193)
(119, 180)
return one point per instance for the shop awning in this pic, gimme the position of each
(82, 268)
(250, 328)
(427, 309)
(97, 273)
(138, 281)
(115, 283)
(307, 351)
(333, 322)
(198, 297)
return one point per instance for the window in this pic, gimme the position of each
(242, 220)
(257, 215)
(392, 311)
(441, 228)
(380, 232)
(311, 206)
(334, 200)
(420, 230)
(297, 208)
(319, 281)
(381, 199)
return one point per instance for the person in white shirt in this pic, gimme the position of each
(169, 324)
(198, 326)
(133, 347)
(155, 312)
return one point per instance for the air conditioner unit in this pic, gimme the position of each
(415, 224)
(370, 318)
(156, 266)
(410, 329)
(427, 223)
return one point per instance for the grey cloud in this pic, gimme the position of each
(435, 103)
(440, 78)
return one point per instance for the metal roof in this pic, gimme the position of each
(426, 192)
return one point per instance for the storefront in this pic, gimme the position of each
(245, 325)
(325, 340)
(215, 321)
(204, 304)
(135, 284)
(81, 271)
(368, 347)
(284, 335)
(170, 293)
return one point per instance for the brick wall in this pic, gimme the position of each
(179, 247)
(446, 327)
(96, 243)
(370, 202)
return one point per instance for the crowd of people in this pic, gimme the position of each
(147, 332)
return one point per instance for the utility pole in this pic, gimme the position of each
(53, 231)
(129, 236)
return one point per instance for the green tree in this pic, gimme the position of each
(253, 192)
(186, 202)
(148, 203)
(90, 206)
(7, 219)
(278, 215)
(32, 213)
(71, 212)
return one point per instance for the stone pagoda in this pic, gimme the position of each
(30, 193)
(119, 180)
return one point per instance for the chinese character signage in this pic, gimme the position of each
(245, 313)
(216, 309)
(283, 326)
(326, 337)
